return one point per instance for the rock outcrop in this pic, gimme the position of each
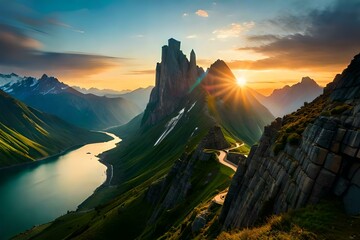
(325, 161)
(175, 187)
(175, 76)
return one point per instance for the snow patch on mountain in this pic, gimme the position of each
(170, 126)
(9, 78)
(193, 105)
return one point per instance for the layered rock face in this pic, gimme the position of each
(175, 75)
(326, 162)
(175, 187)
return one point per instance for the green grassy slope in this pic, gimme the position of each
(125, 131)
(325, 220)
(234, 107)
(85, 110)
(123, 211)
(27, 134)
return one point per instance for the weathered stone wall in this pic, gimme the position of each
(327, 162)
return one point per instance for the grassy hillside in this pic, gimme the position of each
(85, 110)
(122, 209)
(235, 108)
(27, 134)
(325, 220)
(131, 128)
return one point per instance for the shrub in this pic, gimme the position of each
(278, 147)
(326, 114)
(294, 139)
(340, 109)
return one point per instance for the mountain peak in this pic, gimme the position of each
(174, 44)
(44, 76)
(192, 57)
(346, 86)
(174, 77)
(218, 76)
(308, 80)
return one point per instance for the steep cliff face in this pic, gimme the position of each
(321, 160)
(179, 182)
(174, 77)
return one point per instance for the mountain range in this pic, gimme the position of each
(164, 172)
(89, 111)
(99, 92)
(27, 134)
(139, 96)
(290, 98)
(169, 181)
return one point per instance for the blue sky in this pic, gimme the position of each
(117, 43)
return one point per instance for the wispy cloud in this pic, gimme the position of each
(191, 36)
(234, 30)
(202, 13)
(142, 72)
(21, 52)
(185, 14)
(64, 25)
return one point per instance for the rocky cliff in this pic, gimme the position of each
(177, 184)
(302, 158)
(175, 76)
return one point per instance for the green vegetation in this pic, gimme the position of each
(125, 131)
(325, 220)
(122, 209)
(244, 119)
(293, 139)
(295, 123)
(339, 109)
(27, 134)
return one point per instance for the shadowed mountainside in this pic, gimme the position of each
(304, 157)
(89, 111)
(27, 134)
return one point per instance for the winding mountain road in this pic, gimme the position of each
(223, 154)
(220, 198)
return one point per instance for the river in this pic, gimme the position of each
(37, 193)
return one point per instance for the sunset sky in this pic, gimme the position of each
(116, 43)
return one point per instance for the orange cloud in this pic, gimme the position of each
(202, 13)
(234, 30)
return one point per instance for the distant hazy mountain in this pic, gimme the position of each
(289, 98)
(85, 110)
(100, 92)
(27, 134)
(139, 96)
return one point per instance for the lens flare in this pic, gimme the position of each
(241, 81)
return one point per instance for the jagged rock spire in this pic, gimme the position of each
(174, 77)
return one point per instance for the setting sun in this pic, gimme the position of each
(241, 81)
